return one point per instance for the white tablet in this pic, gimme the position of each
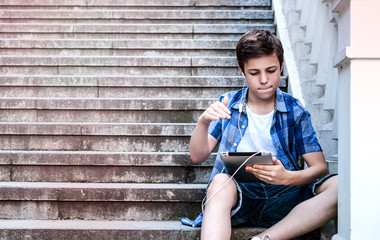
(233, 160)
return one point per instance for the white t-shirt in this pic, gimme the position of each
(257, 135)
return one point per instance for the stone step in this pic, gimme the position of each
(332, 165)
(106, 104)
(95, 53)
(128, 47)
(103, 110)
(86, 158)
(166, 44)
(124, 81)
(95, 143)
(135, 3)
(113, 92)
(102, 167)
(128, 137)
(94, 230)
(133, 28)
(112, 192)
(114, 87)
(99, 201)
(142, 16)
(95, 35)
(138, 21)
(98, 129)
(100, 115)
(114, 71)
(328, 144)
(105, 174)
(110, 61)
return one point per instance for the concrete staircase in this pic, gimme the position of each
(98, 99)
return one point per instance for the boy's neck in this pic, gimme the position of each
(260, 106)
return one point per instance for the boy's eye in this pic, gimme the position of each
(253, 73)
(271, 71)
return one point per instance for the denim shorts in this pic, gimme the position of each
(263, 205)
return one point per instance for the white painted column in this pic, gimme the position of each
(344, 122)
(359, 134)
(364, 53)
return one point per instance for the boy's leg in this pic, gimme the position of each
(310, 214)
(216, 222)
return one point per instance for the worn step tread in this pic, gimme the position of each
(154, 3)
(128, 81)
(126, 192)
(132, 28)
(95, 225)
(112, 61)
(218, 44)
(97, 129)
(106, 103)
(114, 92)
(106, 36)
(96, 173)
(99, 201)
(85, 229)
(101, 158)
(160, 69)
(100, 115)
(125, 81)
(107, 14)
(114, 143)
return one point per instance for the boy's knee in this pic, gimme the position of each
(333, 182)
(219, 183)
(330, 184)
(220, 178)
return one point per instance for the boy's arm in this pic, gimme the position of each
(308, 146)
(317, 167)
(202, 143)
(277, 174)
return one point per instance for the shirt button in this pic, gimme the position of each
(235, 144)
(243, 126)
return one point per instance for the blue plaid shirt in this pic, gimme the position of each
(292, 133)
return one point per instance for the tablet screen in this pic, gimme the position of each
(233, 160)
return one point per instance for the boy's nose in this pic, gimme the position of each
(263, 79)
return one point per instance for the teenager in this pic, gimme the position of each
(288, 199)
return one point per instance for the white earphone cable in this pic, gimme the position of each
(204, 204)
(241, 135)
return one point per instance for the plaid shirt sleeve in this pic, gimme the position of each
(305, 136)
(215, 129)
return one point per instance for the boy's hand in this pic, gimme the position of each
(272, 174)
(216, 111)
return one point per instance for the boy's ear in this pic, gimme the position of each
(241, 71)
(282, 65)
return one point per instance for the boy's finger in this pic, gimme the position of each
(223, 107)
(225, 101)
(212, 116)
(277, 162)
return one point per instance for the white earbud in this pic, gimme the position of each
(241, 98)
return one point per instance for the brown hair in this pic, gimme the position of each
(258, 43)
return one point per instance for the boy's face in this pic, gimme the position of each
(263, 77)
